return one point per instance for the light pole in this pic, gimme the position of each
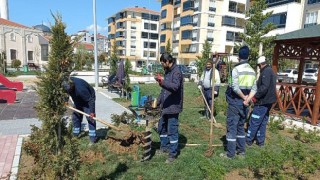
(148, 54)
(95, 46)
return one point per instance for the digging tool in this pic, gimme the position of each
(124, 133)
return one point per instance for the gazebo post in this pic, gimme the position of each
(275, 58)
(315, 110)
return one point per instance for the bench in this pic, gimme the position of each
(33, 66)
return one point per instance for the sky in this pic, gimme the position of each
(76, 14)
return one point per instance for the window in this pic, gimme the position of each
(185, 20)
(152, 54)
(228, 21)
(153, 27)
(162, 49)
(163, 38)
(163, 14)
(119, 25)
(196, 5)
(186, 34)
(144, 35)
(212, 6)
(154, 36)
(271, 3)
(313, 1)
(132, 52)
(110, 36)
(279, 20)
(133, 15)
(13, 54)
(165, 2)
(232, 6)
(188, 5)
(177, 2)
(110, 20)
(311, 19)
(193, 48)
(30, 55)
(195, 20)
(44, 52)
(146, 26)
(153, 45)
(109, 28)
(211, 20)
(150, 16)
(230, 36)
(30, 39)
(210, 35)
(12, 37)
(194, 35)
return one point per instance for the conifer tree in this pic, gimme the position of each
(114, 60)
(206, 53)
(54, 149)
(255, 31)
(168, 47)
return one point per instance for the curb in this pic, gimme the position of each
(16, 159)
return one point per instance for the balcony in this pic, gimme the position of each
(210, 39)
(310, 24)
(236, 10)
(176, 29)
(194, 39)
(210, 24)
(133, 37)
(175, 41)
(176, 16)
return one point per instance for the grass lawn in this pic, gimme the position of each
(288, 154)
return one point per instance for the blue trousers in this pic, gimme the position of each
(169, 135)
(236, 117)
(77, 119)
(208, 95)
(258, 124)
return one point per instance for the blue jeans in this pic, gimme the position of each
(236, 117)
(258, 124)
(169, 135)
(77, 119)
(208, 95)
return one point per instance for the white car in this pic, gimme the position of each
(193, 67)
(310, 75)
(288, 75)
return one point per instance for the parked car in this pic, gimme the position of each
(185, 71)
(193, 67)
(288, 75)
(310, 75)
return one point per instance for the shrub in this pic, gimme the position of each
(16, 63)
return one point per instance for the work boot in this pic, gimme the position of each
(170, 160)
(224, 155)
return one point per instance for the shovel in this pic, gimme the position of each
(123, 135)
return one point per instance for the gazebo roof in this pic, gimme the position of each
(309, 32)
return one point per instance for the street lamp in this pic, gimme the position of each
(95, 46)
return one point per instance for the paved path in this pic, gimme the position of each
(15, 121)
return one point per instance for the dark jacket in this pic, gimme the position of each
(171, 96)
(266, 87)
(83, 94)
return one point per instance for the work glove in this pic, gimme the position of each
(159, 79)
(92, 115)
(253, 99)
(199, 87)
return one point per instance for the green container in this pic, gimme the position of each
(25, 68)
(135, 96)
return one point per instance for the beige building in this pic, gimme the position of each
(29, 45)
(188, 23)
(135, 32)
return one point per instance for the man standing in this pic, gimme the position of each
(83, 97)
(242, 82)
(205, 82)
(263, 100)
(170, 101)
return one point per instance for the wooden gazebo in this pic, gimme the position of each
(298, 100)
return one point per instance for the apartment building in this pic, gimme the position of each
(311, 14)
(188, 23)
(135, 33)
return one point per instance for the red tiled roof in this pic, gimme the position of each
(10, 23)
(140, 9)
(100, 36)
(87, 46)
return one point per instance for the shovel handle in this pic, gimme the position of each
(99, 120)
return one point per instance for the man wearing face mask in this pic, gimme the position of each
(170, 101)
(263, 100)
(205, 82)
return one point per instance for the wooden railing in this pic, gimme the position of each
(295, 100)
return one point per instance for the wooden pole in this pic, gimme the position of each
(316, 105)
(212, 101)
(275, 58)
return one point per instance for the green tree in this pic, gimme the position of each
(3, 62)
(127, 69)
(16, 63)
(114, 59)
(255, 31)
(168, 47)
(102, 57)
(52, 146)
(206, 54)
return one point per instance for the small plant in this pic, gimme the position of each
(307, 137)
(124, 118)
(16, 63)
(275, 125)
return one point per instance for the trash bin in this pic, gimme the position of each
(135, 96)
(144, 70)
(25, 68)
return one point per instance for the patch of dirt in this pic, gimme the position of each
(91, 157)
(27, 81)
(25, 166)
(240, 174)
(116, 146)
